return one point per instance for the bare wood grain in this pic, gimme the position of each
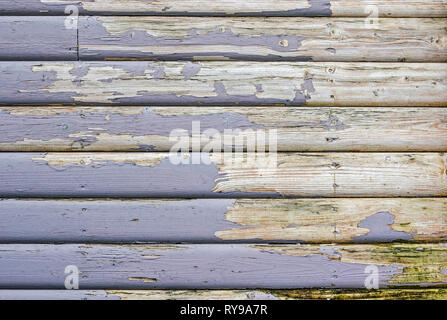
(301, 294)
(227, 175)
(218, 220)
(357, 8)
(224, 83)
(250, 38)
(158, 128)
(228, 266)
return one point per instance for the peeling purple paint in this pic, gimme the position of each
(99, 295)
(79, 72)
(92, 32)
(159, 73)
(34, 38)
(191, 69)
(380, 230)
(308, 86)
(222, 99)
(146, 148)
(20, 85)
(110, 221)
(120, 221)
(15, 128)
(57, 295)
(183, 267)
(82, 142)
(25, 86)
(318, 8)
(111, 179)
(100, 55)
(32, 7)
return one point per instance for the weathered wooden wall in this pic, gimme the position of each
(36, 38)
(191, 175)
(300, 39)
(222, 266)
(265, 294)
(363, 220)
(94, 95)
(299, 8)
(45, 128)
(224, 83)
(247, 38)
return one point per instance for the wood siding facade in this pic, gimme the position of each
(180, 149)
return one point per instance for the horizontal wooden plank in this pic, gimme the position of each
(227, 266)
(259, 294)
(358, 8)
(217, 220)
(224, 83)
(37, 38)
(250, 38)
(227, 175)
(159, 128)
